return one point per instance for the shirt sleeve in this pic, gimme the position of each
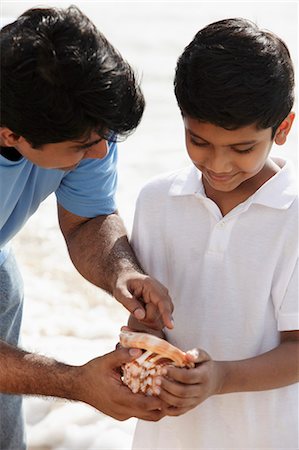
(89, 190)
(288, 314)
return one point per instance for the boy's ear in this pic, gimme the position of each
(8, 138)
(284, 129)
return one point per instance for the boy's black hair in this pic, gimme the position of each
(61, 79)
(233, 74)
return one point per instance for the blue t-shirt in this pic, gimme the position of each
(87, 191)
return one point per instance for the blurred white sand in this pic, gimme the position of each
(65, 317)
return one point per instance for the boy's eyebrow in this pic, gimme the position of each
(228, 145)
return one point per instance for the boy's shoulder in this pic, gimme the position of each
(166, 182)
(281, 190)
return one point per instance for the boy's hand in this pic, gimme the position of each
(183, 389)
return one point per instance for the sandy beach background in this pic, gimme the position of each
(65, 317)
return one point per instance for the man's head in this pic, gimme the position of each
(233, 75)
(61, 80)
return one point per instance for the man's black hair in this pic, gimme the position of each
(61, 79)
(234, 74)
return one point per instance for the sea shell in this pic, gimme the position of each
(140, 375)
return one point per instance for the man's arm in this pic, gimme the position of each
(100, 251)
(96, 383)
(22, 372)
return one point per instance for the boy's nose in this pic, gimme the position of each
(220, 162)
(97, 151)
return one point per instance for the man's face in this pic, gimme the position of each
(64, 155)
(227, 158)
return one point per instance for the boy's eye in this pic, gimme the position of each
(198, 144)
(206, 144)
(246, 150)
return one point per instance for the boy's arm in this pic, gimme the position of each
(184, 389)
(274, 369)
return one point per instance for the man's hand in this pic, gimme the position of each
(100, 250)
(145, 298)
(100, 385)
(97, 382)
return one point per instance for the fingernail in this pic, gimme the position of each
(170, 324)
(164, 371)
(194, 353)
(139, 313)
(158, 381)
(135, 352)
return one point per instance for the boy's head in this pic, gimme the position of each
(233, 74)
(61, 80)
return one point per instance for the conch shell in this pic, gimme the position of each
(140, 375)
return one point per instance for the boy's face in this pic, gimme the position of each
(62, 155)
(227, 158)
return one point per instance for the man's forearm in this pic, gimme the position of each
(97, 383)
(100, 250)
(274, 369)
(31, 374)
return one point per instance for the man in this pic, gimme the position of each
(66, 96)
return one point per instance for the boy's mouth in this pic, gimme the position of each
(219, 176)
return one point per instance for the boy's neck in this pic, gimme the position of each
(227, 201)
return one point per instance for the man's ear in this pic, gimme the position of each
(8, 138)
(284, 129)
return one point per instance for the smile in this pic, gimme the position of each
(221, 177)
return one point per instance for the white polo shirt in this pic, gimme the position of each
(233, 280)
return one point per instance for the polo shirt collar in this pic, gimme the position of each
(279, 192)
(187, 182)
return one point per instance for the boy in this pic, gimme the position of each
(65, 95)
(222, 237)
